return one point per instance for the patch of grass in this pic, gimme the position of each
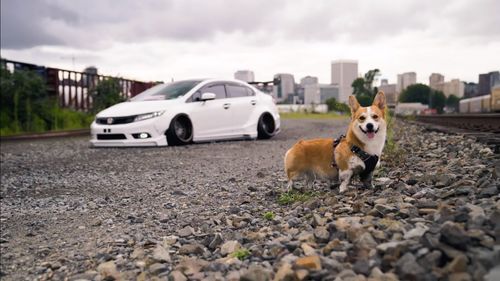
(304, 115)
(293, 196)
(241, 254)
(269, 216)
(392, 151)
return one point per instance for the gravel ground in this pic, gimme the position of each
(217, 211)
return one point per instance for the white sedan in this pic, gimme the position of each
(188, 111)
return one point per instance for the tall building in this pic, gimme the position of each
(470, 90)
(312, 94)
(487, 81)
(391, 95)
(319, 93)
(454, 87)
(344, 72)
(308, 80)
(436, 81)
(244, 75)
(406, 79)
(327, 91)
(285, 87)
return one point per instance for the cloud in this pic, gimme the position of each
(94, 24)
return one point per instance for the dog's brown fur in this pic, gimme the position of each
(313, 158)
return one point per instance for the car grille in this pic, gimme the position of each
(115, 120)
(111, 137)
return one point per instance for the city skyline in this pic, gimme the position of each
(150, 40)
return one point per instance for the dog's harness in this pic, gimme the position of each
(369, 159)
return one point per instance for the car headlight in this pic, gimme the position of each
(150, 115)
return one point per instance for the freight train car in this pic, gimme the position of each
(482, 104)
(495, 99)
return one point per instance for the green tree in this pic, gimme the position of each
(333, 105)
(452, 103)
(424, 94)
(23, 101)
(438, 101)
(106, 94)
(363, 88)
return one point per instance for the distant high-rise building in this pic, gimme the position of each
(344, 72)
(311, 94)
(308, 80)
(319, 93)
(487, 81)
(391, 95)
(454, 87)
(384, 82)
(470, 90)
(406, 79)
(327, 91)
(244, 75)
(436, 81)
(285, 87)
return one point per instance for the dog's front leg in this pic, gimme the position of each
(367, 180)
(345, 178)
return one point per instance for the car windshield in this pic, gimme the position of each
(166, 91)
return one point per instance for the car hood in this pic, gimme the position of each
(136, 107)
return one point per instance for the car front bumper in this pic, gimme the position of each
(123, 135)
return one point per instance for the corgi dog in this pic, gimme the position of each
(358, 153)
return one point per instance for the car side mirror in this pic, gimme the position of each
(207, 96)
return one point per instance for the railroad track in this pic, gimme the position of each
(47, 135)
(484, 127)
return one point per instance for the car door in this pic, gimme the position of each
(243, 103)
(212, 118)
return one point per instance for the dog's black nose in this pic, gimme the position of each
(369, 127)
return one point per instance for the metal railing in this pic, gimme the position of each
(72, 88)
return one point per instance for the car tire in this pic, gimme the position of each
(180, 131)
(266, 127)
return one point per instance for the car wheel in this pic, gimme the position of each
(180, 131)
(266, 127)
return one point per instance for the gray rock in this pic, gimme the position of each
(454, 235)
(158, 268)
(160, 254)
(230, 247)
(408, 268)
(488, 192)
(216, 241)
(322, 235)
(256, 273)
(195, 249)
(185, 232)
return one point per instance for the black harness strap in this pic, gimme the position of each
(335, 143)
(369, 160)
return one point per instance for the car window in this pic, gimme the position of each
(166, 91)
(217, 89)
(236, 91)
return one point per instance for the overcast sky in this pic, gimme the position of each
(178, 39)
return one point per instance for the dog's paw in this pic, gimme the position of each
(343, 189)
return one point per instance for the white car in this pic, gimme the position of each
(188, 111)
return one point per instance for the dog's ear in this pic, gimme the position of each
(379, 100)
(353, 104)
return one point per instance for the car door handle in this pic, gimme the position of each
(253, 102)
(226, 105)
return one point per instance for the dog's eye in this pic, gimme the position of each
(362, 118)
(375, 117)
